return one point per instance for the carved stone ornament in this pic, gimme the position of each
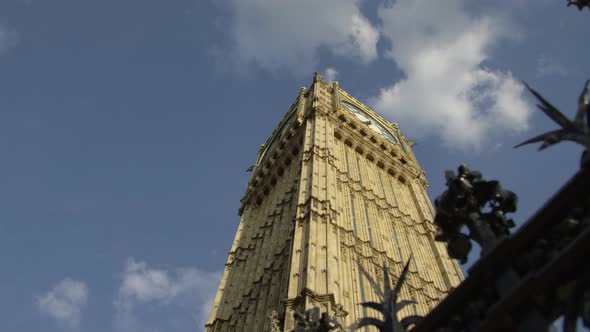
(274, 321)
(339, 311)
(310, 321)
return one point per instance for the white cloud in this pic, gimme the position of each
(447, 91)
(547, 66)
(189, 291)
(64, 302)
(8, 39)
(287, 34)
(330, 74)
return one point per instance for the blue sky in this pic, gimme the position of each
(126, 127)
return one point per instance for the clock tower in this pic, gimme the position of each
(334, 186)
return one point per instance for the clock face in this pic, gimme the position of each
(372, 123)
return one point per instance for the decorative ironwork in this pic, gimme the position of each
(578, 303)
(577, 130)
(531, 278)
(579, 3)
(389, 306)
(478, 204)
(310, 321)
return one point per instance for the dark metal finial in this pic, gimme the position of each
(389, 306)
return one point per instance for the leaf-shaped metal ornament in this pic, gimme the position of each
(389, 306)
(577, 130)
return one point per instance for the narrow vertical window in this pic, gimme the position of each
(393, 193)
(358, 168)
(397, 242)
(382, 186)
(347, 164)
(368, 225)
(353, 214)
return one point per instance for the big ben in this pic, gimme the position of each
(334, 186)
